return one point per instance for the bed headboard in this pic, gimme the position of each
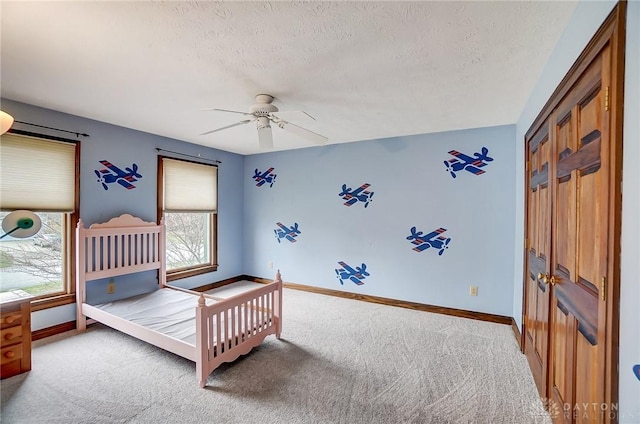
(123, 245)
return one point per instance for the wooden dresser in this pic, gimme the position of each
(15, 333)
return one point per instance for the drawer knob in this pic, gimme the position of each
(8, 336)
(10, 354)
(10, 319)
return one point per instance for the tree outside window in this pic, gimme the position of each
(34, 264)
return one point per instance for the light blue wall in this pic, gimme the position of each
(122, 147)
(411, 187)
(585, 21)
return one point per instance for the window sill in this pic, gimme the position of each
(52, 302)
(184, 273)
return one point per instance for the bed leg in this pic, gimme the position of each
(278, 305)
(202, 343)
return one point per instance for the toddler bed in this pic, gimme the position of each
(201, 328)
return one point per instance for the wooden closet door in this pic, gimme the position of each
(581, 124)
(580, 237)
(536, 315)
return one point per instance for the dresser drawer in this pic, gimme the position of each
(10, 335)
(15, 333)
(11, 353)
(9, 319)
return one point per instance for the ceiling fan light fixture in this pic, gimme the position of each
(265, 137)
(6, 121)
(263, 122)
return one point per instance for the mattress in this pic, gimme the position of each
(167, 311)
(172, 313)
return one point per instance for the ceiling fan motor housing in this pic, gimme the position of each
(263, 106)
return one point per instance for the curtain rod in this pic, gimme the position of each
(51, 128)
(185, 154)
(44, 136)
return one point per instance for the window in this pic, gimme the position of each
(40, 175)
(187, 200)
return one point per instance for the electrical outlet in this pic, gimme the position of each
(270, 264)
(473, 290)
(111, 287)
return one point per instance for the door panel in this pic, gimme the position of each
(536, 328)
(565, 213)
(586, 393)
(579, 249)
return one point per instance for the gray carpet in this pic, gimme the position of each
(339, 361)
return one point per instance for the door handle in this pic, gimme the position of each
(543, 277)
(553, 280)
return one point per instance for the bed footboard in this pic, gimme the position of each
(234, 326)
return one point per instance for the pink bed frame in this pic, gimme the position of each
(127, 244)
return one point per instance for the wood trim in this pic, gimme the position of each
(257, 279)
(52, 301)
(615, 206)
(177, 275)
(71, 232)
(516, 333)
(222, 283)
(214, 237)
(461, 313)
(525, 250)
(53, 330)
(159, 190)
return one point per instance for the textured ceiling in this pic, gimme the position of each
(364, 70)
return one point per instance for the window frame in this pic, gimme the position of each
(199, 269)
(70, 222)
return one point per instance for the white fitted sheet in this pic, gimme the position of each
(173, 313)
(167, 311)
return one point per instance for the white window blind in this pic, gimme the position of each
(189, 187)
(37, 174)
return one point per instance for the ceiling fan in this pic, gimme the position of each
(262, 112)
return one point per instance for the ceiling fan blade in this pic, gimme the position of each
(302, 132)
(229, 126)
(265, 137)
(226, 110)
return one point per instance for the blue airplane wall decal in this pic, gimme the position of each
(266, 177)
(354, 275)
(433, 239)
(284, 232)
(636, 370)
(360, 194)
(112, 174)
(471, 164)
